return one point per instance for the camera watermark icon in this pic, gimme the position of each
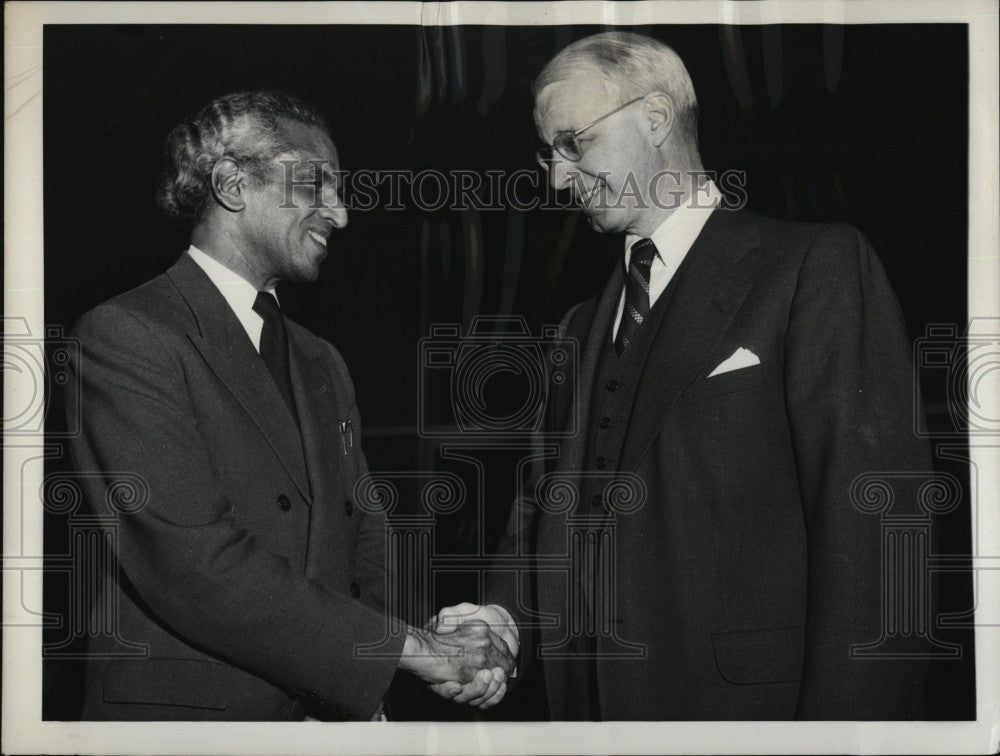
(965, 369)
(34, 368)
(493, 380)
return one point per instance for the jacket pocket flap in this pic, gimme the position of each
(169, 682)
(760, 656)
(722, 384)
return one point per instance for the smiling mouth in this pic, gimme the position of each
(318, 238)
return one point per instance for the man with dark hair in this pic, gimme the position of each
(248, 571)
(738, 375)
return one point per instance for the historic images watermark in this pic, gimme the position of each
(522, 190)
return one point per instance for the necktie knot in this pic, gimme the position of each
(267, 307)
(274, 346)
(643, 252)
(636, 294)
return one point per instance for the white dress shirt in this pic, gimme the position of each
(673, 238)
(237, 291)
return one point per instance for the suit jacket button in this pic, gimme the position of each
(600, 462)
(355, 590)
(349, 507)
(612, 385)
(605, 423)
(284, 503)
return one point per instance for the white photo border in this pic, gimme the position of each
(23, 729)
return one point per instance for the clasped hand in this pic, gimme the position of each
(488, 686)
(465, 653)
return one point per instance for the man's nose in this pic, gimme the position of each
(334, 208)
(559, 171)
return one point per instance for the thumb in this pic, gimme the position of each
(452, 616)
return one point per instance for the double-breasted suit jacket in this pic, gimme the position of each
(249, 572)
(748, 572)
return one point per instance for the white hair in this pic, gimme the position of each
(628, 65)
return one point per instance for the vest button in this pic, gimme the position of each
(612, 385)
(355, 590)
(284, 503)
(596, 500)
(600, 462)
(348, 507)
(605, 423)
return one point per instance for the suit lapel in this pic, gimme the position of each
(222, 342)
(712, 282)
(319, 412)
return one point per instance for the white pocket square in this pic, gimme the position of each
(741, 358)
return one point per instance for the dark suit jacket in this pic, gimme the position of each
(747, 574)
(250, 573)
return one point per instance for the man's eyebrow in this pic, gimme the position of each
(303, 163)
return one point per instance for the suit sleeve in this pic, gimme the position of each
(849, 385)
(206, 579)
(517, 591)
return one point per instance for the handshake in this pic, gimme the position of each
(465, 653)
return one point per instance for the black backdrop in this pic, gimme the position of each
(862, 124)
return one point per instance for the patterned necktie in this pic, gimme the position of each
(274, 346)
(636, 294)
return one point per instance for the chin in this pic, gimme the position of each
(308, 276)
(303, 274)
(602, 224)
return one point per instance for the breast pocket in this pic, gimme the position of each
(720, 385)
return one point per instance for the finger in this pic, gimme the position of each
(510, 639)
(453, 616)
(498, 678)
(487, 695)
(448, 689)
(474, 629)
(476, 688)
(495, 698)
(503, 654)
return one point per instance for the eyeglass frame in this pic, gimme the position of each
(544, 155)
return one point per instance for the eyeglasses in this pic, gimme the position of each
(566, 142)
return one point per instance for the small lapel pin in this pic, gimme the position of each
(347, 435)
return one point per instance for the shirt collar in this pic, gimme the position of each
(674, 237)
(238, 292)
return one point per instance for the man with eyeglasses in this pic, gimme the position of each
(737, 375)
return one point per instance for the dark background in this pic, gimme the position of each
(860, 124)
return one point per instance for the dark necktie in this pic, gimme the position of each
(274, 346)
(636, 294)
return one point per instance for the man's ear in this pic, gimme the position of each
(661, 115)
(228, 181)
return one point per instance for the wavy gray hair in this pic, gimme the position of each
(242, 125)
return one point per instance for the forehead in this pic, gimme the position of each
(568, 104)
(309, 142)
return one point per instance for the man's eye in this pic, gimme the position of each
(308, 177)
